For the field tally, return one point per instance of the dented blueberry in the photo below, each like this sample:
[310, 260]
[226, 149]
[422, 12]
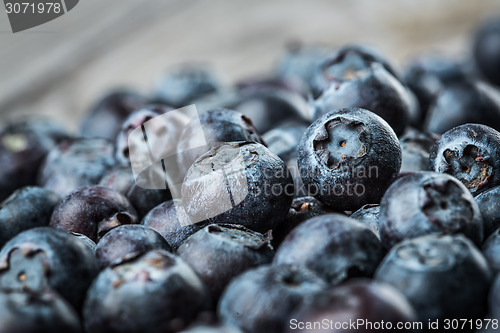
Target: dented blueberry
[93, 211]
[261, 299]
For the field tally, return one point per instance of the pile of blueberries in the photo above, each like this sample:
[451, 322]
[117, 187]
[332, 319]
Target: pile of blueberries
[370, 196]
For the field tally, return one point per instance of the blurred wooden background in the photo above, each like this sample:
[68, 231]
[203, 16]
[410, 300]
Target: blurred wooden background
[60, 68]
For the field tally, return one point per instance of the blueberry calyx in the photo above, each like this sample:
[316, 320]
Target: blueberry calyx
[339, 141]
[472, 168]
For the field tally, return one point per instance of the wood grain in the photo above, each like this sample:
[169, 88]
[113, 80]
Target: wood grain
[60, 68]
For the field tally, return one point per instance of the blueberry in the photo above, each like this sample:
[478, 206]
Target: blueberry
[443, 276]
[261, 300]
[489, 205]
[217, 126]
[29, 312]
[333, 246]
[121, 179]
[89, 242]
[105, 118]
[486, 50]
[302, 209]
[43, 259]
[218, 253]
[23, 146]
[268, 107]
[26, 208]
[170, 220]
[369, 215]
[353, 78]
[470, 153]
[494, 298]
[427, 75]
[75, 163]
[125, 241]
[348, 158]
[212, 329]
[349, 63]
[238, 181]
[452, 107]
[155, 292]
[428, 202]
[356, 300]
[298, 65]
[416, 147]
[134, 120]
[184, 83]
[92, 211]
[491, 250]
[283, 140]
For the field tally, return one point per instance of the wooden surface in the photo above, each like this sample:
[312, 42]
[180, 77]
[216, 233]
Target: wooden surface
[60, 68]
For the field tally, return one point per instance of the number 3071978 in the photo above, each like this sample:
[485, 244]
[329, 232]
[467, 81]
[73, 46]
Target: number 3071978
[33, 8]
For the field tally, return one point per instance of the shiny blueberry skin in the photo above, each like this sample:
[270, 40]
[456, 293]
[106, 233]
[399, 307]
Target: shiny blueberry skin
[157, 291]
[348, 63]
[428, 202]
[357, 299]
[416, 147]
[182, 84]
[125, 241]
[170, 220]
[283, 140]
[333, 246]
[217, 126]
[494, 298]
[368, 215]
[353, 78]
[27, 208]
[218, 253]
[92, 211]
[239, 181]
[470, 153]
[75, 163]
[45, 258]
[491, 250]
[348, 158]
[105, 118]
[443, 276]
[121, 179]
[261, 300]
[452, 107]
[298, 65]
[302, 209]
[23, 146]
[29, 312]
[489, 205]
[427, 75]
[486, 50]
